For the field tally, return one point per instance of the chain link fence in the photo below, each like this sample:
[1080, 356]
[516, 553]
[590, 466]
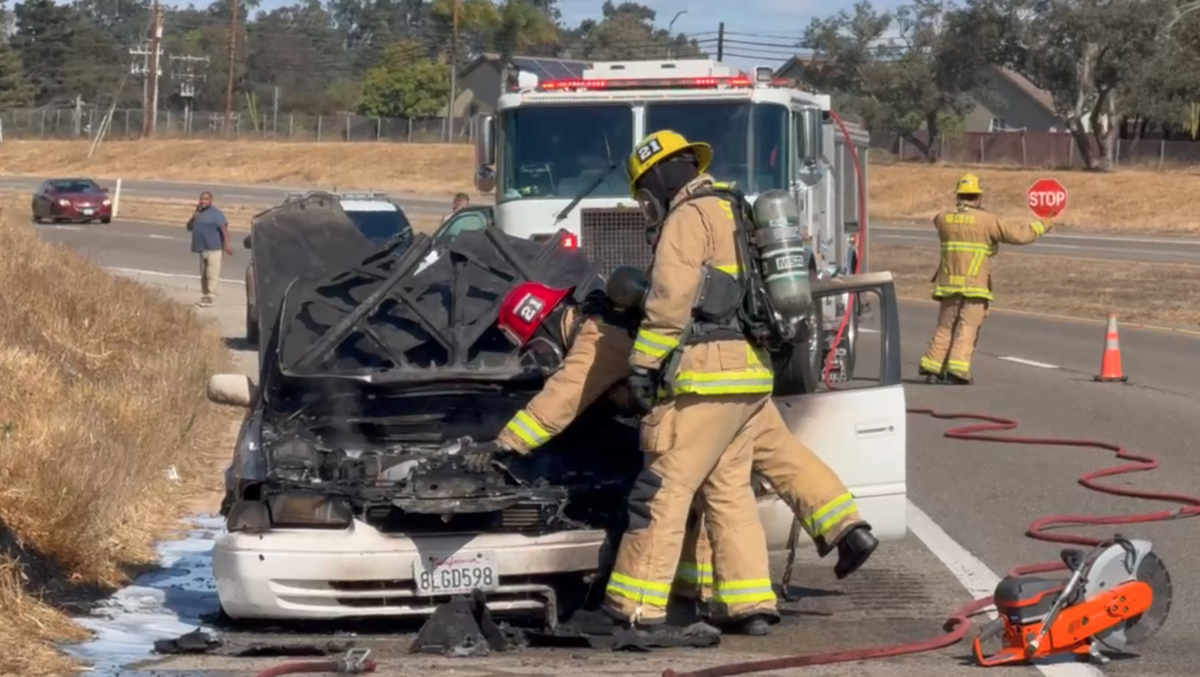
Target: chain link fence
[129, 124]
[1051, 150]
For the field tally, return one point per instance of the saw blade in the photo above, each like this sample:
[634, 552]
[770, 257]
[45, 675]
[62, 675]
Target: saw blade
[1153, 573]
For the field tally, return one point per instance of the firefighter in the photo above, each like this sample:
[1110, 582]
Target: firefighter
[706, 390]
[969, 237]
[596, 337]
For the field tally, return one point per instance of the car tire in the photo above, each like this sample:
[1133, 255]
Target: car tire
[251, 329]
[106, 220]
[798, 365]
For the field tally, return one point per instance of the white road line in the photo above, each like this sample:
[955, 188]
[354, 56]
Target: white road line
[155, 273]
[867, 330]
[1021, 360]
[978, 579]
[152, 236]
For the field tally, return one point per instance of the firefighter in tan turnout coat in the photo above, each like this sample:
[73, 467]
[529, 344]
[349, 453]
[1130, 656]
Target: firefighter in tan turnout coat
[707, 391]
[969, 237]
[596, 340]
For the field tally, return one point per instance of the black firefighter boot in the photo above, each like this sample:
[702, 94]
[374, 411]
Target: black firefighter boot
[854, 549]
[956, 380]
[753, 625]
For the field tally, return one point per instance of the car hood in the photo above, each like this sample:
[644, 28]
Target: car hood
[423, 313]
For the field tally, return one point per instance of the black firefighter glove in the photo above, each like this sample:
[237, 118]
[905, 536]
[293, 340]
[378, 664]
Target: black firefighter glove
[479, 457]
[643, 383]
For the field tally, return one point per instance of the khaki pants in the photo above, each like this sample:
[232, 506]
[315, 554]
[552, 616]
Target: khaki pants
[953, 342]
[694, 443]
[825, 507]
[210, 271]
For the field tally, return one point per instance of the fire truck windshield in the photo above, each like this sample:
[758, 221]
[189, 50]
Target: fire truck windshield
[749, 140]
[555, 151]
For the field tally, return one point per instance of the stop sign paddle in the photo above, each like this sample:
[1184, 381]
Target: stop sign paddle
[1047, 198]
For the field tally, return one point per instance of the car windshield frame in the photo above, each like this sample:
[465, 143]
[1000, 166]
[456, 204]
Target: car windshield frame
[555, 151]
[72, 185]
[749, 138]
[375, 224]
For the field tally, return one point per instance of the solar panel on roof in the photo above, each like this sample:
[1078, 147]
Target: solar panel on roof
[556, 69]
[550, 69]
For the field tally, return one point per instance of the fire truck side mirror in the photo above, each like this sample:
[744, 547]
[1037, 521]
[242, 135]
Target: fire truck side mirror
[813, 144]
[485, 139]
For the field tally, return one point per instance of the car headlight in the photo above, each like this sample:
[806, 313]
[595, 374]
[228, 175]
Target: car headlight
[64, 202]
[106, 203]
[309, 511]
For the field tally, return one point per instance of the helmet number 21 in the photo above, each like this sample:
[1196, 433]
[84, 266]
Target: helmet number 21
[530, 308]
[648, 150]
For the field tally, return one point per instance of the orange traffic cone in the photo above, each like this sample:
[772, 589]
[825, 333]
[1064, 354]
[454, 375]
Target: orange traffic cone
[1110, 363]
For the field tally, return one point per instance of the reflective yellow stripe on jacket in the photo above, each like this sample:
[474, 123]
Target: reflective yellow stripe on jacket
[957, 284]
[529, 430]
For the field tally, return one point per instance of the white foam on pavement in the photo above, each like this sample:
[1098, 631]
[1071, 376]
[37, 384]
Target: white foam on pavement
[161, 604]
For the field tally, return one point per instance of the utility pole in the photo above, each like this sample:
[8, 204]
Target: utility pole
[275, 111]
[139, 66]
[187, 71]
[721, 41]
[453, 73]
[154, 70]
[232, 61]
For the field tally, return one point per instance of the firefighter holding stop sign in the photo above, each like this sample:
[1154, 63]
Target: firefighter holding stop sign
[970, 236]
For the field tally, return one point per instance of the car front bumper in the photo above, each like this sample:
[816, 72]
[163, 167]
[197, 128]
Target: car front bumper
[80, 212]
[299, 574]
[362, 572]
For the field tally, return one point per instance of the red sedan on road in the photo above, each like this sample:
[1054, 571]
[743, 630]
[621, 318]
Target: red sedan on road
[72, 200]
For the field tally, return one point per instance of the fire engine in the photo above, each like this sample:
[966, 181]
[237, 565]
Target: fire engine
[554, 153]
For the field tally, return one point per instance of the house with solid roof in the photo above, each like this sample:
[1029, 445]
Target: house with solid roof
[1019, 104]
[481, 81]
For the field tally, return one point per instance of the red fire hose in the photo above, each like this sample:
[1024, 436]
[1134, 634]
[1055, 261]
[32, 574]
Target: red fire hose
[959, 622]
[352, 663]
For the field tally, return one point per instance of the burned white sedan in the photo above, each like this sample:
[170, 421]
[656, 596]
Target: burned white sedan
[347, 496]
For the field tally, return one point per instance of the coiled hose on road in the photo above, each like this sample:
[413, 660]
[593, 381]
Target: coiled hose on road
[984, 430]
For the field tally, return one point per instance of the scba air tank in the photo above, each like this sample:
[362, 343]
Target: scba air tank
[781, 248]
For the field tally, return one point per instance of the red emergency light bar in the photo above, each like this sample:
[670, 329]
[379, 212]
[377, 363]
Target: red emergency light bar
[658, 83]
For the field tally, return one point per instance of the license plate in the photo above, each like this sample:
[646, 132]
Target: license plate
[87, 212]
[456, 574]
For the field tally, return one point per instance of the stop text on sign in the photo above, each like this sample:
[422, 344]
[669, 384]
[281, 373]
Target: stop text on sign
[1047, 197]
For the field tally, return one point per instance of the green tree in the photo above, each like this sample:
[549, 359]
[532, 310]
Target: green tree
[1088, 55]
[919, 67]
[627, 31]
[405, 85]
[15, 90]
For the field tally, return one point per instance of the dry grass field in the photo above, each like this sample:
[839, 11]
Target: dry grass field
[1122, 200]
[104, 392]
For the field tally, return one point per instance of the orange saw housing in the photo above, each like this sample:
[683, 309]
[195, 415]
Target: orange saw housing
[1024, 601]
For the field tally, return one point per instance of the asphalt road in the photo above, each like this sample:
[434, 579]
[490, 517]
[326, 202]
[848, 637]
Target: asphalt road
[971, 501]
[1115, 246]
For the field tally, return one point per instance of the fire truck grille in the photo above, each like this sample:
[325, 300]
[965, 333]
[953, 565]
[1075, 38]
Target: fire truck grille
[614, 237]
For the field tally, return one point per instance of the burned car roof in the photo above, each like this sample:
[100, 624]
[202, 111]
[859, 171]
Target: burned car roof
[420, 310]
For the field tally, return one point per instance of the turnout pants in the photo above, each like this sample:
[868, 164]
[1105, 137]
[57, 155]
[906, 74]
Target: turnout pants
[954, 340]
[694, 443]
[822, 503]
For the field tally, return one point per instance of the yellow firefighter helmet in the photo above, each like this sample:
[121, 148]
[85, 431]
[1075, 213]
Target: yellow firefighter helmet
[659, 146]
[968, 184]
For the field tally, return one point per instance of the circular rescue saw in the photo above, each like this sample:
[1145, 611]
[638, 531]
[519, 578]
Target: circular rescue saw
[1118, 594]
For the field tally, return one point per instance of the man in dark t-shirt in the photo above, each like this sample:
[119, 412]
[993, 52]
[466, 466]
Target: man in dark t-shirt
[210, 237]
